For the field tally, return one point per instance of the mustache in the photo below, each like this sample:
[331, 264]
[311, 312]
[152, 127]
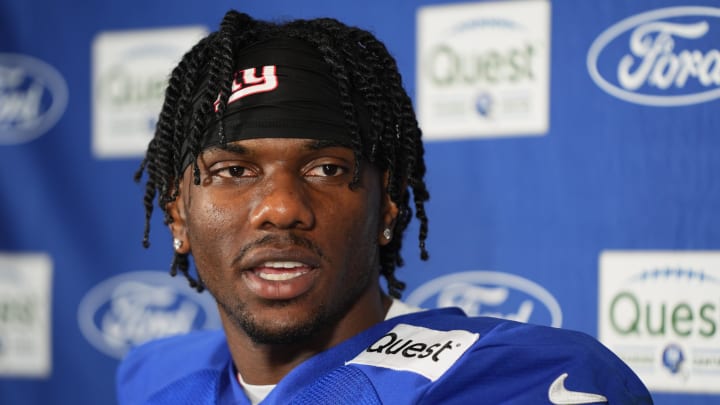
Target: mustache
[283, 241]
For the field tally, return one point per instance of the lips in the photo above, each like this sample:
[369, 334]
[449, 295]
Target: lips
[280, 275]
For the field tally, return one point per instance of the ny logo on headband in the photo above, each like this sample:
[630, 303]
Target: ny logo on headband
[246, 82]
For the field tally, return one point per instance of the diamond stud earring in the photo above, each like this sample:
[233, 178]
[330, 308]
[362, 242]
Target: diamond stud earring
[387, 234]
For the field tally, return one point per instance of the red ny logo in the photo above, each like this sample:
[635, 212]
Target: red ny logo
[246, 82]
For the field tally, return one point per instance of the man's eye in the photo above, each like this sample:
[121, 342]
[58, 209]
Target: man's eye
[233, 171]
[328, 170]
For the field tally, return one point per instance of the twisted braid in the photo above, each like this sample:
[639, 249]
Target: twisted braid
[367, 77]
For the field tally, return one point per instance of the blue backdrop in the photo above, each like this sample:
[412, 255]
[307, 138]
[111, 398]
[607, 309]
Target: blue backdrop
[559, 222]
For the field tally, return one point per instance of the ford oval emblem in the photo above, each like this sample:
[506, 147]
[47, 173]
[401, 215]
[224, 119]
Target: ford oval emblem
[489, 293]
[33, 97]
[132, 308]
[664, 57]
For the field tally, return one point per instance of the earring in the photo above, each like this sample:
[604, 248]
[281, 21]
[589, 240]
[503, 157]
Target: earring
[177, 243]
[387, 234]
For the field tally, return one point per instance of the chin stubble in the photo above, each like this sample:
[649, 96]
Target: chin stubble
[324, 318]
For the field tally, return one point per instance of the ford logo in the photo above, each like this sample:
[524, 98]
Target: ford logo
[33, 97]
[488, 293]
[132, 308]
[656, 58]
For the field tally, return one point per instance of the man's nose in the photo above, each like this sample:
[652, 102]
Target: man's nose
[283, 203]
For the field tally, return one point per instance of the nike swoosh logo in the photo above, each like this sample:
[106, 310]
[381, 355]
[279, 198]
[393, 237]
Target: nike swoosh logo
[559, 395]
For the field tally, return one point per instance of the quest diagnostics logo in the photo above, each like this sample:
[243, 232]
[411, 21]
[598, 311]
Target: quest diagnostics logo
[132, 308]
[664, 57]
[130, 71]
[469, 86]
[33, 97]
[488, 293]
[424, 351]
[659, 311]
[25, 315]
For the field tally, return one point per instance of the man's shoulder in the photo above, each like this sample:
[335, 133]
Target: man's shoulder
[490, 328]
[198, 348]
[512, 358]
[505, 337]
[159, 363]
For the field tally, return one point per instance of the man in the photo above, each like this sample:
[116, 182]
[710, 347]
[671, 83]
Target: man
[284, 160]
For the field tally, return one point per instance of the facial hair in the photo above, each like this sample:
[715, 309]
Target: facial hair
[325, 317]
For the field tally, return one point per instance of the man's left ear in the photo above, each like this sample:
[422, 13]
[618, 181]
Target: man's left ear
[389, 213]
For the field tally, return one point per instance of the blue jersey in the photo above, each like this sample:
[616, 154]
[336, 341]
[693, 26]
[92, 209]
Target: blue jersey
[430, 357]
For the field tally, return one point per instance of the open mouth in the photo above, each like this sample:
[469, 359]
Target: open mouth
[281, 279]
[281, 271]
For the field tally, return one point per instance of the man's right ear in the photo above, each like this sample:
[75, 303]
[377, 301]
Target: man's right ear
[178, 226]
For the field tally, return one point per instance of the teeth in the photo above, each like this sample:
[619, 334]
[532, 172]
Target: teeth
[283, 265]
[280, 276]
[300, 269]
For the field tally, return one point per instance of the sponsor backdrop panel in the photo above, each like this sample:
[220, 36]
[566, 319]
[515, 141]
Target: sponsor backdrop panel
[571, 148]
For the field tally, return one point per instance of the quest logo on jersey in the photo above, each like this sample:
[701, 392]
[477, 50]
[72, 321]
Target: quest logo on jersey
[129, 75]
[664, 57]
[427, 352]
[33, 97]
[132, 308]
[489, 293]
[660, 312]
[470, 87]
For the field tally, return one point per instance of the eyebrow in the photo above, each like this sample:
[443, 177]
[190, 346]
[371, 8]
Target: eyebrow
[233, 147]
[327, 143]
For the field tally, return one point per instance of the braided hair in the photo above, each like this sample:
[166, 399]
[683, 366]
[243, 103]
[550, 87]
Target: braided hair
[362, 68]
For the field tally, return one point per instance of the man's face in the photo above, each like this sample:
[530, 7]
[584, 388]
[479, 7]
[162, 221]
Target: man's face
[278, 237]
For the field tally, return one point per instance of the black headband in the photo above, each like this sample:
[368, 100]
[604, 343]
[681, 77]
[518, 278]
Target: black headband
[283, 88]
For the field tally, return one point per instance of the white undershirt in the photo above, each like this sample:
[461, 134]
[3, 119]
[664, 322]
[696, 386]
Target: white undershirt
[257, 393]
